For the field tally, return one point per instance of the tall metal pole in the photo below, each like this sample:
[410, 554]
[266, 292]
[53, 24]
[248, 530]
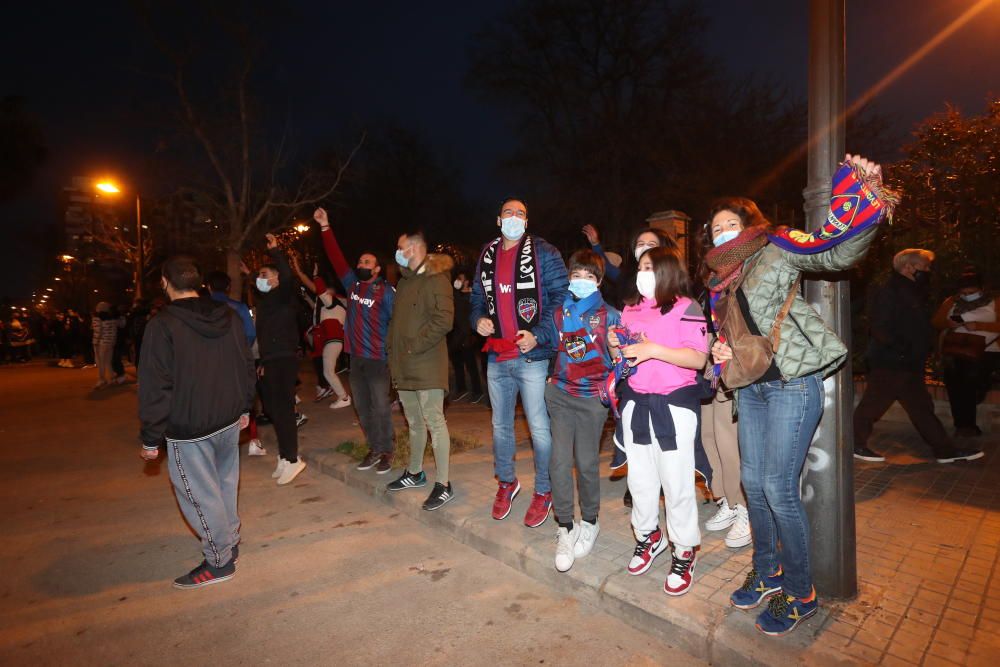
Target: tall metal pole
[828, 478]
[138, 239]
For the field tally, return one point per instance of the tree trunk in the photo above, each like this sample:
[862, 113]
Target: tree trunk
[235, 276]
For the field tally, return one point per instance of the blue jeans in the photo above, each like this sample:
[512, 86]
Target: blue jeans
[505, 379]
[776, 425]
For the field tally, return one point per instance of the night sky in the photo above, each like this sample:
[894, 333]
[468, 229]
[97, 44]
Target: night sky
[336, 65]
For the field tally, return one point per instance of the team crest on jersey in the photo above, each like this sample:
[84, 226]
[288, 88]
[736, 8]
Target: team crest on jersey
[527, 309]
[576, 348]
[595, 321]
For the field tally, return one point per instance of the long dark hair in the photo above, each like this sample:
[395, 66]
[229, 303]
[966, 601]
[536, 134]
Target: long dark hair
[672, 280]
[627, 292]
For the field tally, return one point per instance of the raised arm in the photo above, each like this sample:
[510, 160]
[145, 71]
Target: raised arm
[611, 272]
[333, 251]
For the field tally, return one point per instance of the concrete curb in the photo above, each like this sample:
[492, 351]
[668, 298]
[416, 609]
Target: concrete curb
[707, 629]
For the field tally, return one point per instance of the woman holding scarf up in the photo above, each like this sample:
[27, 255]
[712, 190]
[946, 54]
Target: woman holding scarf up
[760, 268]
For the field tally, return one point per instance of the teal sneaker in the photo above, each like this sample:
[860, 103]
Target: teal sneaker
[784, 612]
[756, 589]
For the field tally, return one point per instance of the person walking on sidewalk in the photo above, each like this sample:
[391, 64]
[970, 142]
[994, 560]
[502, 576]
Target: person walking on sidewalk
[520, 282]
[972, 311]
[196, 386]
[901, 339]
[573, 398]
[104, 327]
[278, 342]
[418, 360]
[370, 301]
[756, 276]
[660, 409]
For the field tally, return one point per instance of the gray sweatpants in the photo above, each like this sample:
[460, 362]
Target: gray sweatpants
[577, 424]
[206, 476]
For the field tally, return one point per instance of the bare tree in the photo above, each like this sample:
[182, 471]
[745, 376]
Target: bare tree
[248, 182]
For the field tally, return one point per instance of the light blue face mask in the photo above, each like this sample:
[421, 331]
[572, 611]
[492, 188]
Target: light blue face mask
[401, 258]
[581, 288]
[263, 285]
[513, 227]
[726, 237]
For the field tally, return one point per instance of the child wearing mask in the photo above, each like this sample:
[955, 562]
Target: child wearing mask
[660, 407]
[576, 413]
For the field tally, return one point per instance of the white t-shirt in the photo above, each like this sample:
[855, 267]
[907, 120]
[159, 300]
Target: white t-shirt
[987, 313]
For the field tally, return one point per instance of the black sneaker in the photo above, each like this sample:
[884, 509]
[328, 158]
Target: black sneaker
[371, 458]
[407, 481]
[866, 454]
[439, 496]
[300, 419]
[206, 575]
[627, 498]
[236, 555]
[961, 455]
[384, 464]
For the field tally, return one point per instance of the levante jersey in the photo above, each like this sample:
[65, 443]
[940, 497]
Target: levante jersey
[369, 306]
[583, 361]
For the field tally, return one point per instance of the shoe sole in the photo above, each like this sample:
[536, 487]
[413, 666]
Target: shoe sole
[364, 467]
[870, 459]
[656, 552]
[261, 453]
[383, 472]
[971, 457]
[217, 580]
[292, 478]
[544, 519]
[440, 505]
[794, 625]
[677, 594]
[510, 505]
[738, 544]
[334, 406]
[720, 527]
[764, 596]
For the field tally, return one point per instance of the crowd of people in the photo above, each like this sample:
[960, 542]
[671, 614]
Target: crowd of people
[720, 374]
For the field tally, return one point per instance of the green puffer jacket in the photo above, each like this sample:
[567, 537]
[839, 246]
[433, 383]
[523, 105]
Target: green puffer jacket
[422, 316]
[807, 345]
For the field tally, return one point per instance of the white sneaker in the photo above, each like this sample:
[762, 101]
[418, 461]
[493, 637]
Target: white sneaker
[739, 535]
[565, 546]
[291, 471]
[341, 402]
[256, 449]
[588, 535]
[722, 519]
[279, 469]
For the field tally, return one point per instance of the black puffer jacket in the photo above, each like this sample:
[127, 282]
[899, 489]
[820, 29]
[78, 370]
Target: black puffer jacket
[900, 321]
[196, 372]
[277, 314]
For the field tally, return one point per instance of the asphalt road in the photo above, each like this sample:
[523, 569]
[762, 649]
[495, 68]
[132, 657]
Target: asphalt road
[92, 538]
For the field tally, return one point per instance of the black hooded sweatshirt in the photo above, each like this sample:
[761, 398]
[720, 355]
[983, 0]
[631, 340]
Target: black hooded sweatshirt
[277, 314]
[196, 372]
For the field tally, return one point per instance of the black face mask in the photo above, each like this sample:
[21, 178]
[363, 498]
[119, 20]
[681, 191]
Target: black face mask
[922, 279]
[363, 274]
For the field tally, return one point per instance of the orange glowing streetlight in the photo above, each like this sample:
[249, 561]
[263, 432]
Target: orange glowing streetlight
[110, 188]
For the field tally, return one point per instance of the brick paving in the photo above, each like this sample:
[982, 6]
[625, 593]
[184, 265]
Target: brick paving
[927, 538]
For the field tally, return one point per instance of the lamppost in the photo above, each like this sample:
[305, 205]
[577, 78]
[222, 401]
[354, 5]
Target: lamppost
[110, 188]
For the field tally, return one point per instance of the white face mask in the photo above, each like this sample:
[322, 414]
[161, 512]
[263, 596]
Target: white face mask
[457, 284]
[263, 285]
[645, 282]
[972, 297]
[513, 227]
[639, 249]
[725, 237]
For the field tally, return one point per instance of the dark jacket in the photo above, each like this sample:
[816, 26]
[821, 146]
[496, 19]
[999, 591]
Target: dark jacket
[196, 372]
[277, 314]
[462, 335]
[555, 284]
[899, 318]
[421, 319]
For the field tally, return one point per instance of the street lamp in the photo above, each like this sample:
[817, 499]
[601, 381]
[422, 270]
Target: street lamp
[112, 189]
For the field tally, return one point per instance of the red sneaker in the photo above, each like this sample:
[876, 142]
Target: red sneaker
[538, 510]
[645, 551]
[681, 573]
[505, 496]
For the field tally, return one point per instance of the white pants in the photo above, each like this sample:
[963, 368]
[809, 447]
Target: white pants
[330, 353]
[650, 468]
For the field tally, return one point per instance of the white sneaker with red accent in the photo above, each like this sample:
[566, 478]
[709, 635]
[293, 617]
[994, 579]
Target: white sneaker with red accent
[256, 448]
[645, 551]
[681, 574]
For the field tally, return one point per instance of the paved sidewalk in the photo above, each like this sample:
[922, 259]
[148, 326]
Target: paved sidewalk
[928, 537]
